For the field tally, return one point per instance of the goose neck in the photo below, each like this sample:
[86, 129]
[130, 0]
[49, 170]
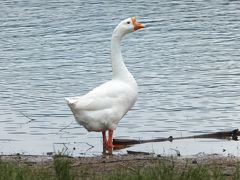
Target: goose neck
[118, 67]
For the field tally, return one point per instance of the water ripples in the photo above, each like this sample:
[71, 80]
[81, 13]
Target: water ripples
[186, 63]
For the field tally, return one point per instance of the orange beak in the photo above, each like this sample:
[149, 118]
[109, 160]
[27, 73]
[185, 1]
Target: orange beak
[136, 24]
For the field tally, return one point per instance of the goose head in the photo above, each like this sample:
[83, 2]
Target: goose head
[126, 26]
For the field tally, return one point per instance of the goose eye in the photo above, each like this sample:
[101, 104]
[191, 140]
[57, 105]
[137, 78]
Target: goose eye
[128, 22]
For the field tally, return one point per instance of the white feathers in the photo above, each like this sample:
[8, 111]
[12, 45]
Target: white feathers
[102, 108]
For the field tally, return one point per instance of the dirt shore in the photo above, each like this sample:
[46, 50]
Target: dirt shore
[100, 165]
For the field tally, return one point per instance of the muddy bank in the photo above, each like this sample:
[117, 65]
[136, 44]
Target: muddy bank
[104, 165]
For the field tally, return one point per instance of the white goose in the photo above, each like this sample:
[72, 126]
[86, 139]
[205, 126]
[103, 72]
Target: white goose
[102, 108]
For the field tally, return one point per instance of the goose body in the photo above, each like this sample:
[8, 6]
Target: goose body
[102, 108]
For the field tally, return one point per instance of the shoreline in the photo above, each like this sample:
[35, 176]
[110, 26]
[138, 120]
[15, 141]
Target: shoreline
[103, 165]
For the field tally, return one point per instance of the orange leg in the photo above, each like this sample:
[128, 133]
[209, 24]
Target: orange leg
[110, 139]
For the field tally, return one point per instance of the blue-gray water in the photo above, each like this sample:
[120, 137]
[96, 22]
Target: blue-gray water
[186, 62]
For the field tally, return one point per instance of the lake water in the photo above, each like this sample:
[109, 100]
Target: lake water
[186, 63]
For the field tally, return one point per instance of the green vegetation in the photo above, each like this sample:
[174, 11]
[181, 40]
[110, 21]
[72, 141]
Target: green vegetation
[14, 171]
[62, 168]
[161, 171]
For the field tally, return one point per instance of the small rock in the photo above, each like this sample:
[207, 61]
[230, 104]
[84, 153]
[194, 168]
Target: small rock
[227, 173]
[194, 161]
[49, 153]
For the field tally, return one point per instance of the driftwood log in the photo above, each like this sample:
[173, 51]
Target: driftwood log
[232, 135]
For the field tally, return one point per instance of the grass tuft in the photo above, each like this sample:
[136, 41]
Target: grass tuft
[62, 168]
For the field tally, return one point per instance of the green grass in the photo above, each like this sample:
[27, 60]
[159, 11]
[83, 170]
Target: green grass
[63, 169]
[162, 171]
[14, 171]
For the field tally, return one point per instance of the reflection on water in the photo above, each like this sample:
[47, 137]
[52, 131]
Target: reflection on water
[186, 63]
